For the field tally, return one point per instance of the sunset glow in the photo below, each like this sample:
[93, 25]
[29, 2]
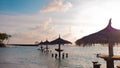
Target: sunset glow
[29, 21]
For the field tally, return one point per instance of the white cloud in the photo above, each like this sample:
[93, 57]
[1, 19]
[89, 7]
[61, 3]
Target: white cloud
[56, 5]
[84, 18]
[24, 37]
[30, 28]
[36, 33]
[43, 25]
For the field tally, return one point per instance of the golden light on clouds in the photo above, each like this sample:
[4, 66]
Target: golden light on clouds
[72, 19]
[56, 5]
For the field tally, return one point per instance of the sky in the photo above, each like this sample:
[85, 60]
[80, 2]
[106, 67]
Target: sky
[29, 21]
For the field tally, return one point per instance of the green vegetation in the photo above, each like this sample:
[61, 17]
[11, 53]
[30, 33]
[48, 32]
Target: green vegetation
[3, 37]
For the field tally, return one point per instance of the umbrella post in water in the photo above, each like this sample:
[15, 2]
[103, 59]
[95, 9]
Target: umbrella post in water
[46, 43]
[41, 47]
[60, 41]
[59, 50]
[108, 35]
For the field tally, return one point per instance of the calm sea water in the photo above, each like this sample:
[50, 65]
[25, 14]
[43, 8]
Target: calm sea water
[30, 57]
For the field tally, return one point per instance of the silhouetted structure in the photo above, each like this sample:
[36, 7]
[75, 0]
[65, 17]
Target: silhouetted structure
[108, 35]
[41, 45]
[59, 41]
[2, 44]
[96, 65]
[46, 43]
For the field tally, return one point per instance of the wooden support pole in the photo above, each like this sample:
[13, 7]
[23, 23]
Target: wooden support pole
[59, 51]
[52, 55]
[110, 50]
[109, 60]
[110, 63]
[55, 56]
[96, 65]
[63, 55]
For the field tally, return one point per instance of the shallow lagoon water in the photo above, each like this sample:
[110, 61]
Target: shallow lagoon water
[30, 57]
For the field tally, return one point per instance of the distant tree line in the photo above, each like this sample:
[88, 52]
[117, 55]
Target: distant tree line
[3, 37]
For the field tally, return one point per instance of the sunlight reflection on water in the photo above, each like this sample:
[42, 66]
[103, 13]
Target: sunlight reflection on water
[30, 57]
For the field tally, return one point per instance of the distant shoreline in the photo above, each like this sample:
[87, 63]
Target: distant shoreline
[23, 44]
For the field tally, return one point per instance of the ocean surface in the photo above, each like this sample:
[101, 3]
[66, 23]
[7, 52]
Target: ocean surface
[31, 57]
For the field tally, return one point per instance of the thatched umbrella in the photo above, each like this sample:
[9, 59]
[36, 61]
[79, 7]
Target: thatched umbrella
[41, 43]
[108, 35]
[46, 43]
[60, 41]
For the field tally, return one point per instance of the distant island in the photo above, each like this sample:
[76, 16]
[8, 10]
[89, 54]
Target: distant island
[24, 44]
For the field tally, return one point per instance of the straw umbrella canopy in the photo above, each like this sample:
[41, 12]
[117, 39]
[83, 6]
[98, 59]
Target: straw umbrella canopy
[41, 43]
[108, 35]
[60, 41]
[46, 43]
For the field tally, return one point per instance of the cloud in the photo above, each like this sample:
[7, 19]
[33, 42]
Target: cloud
[40, 32]
[56, 6]
[43, 25]
[30, 28]
[24, 37]
[26, 28]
